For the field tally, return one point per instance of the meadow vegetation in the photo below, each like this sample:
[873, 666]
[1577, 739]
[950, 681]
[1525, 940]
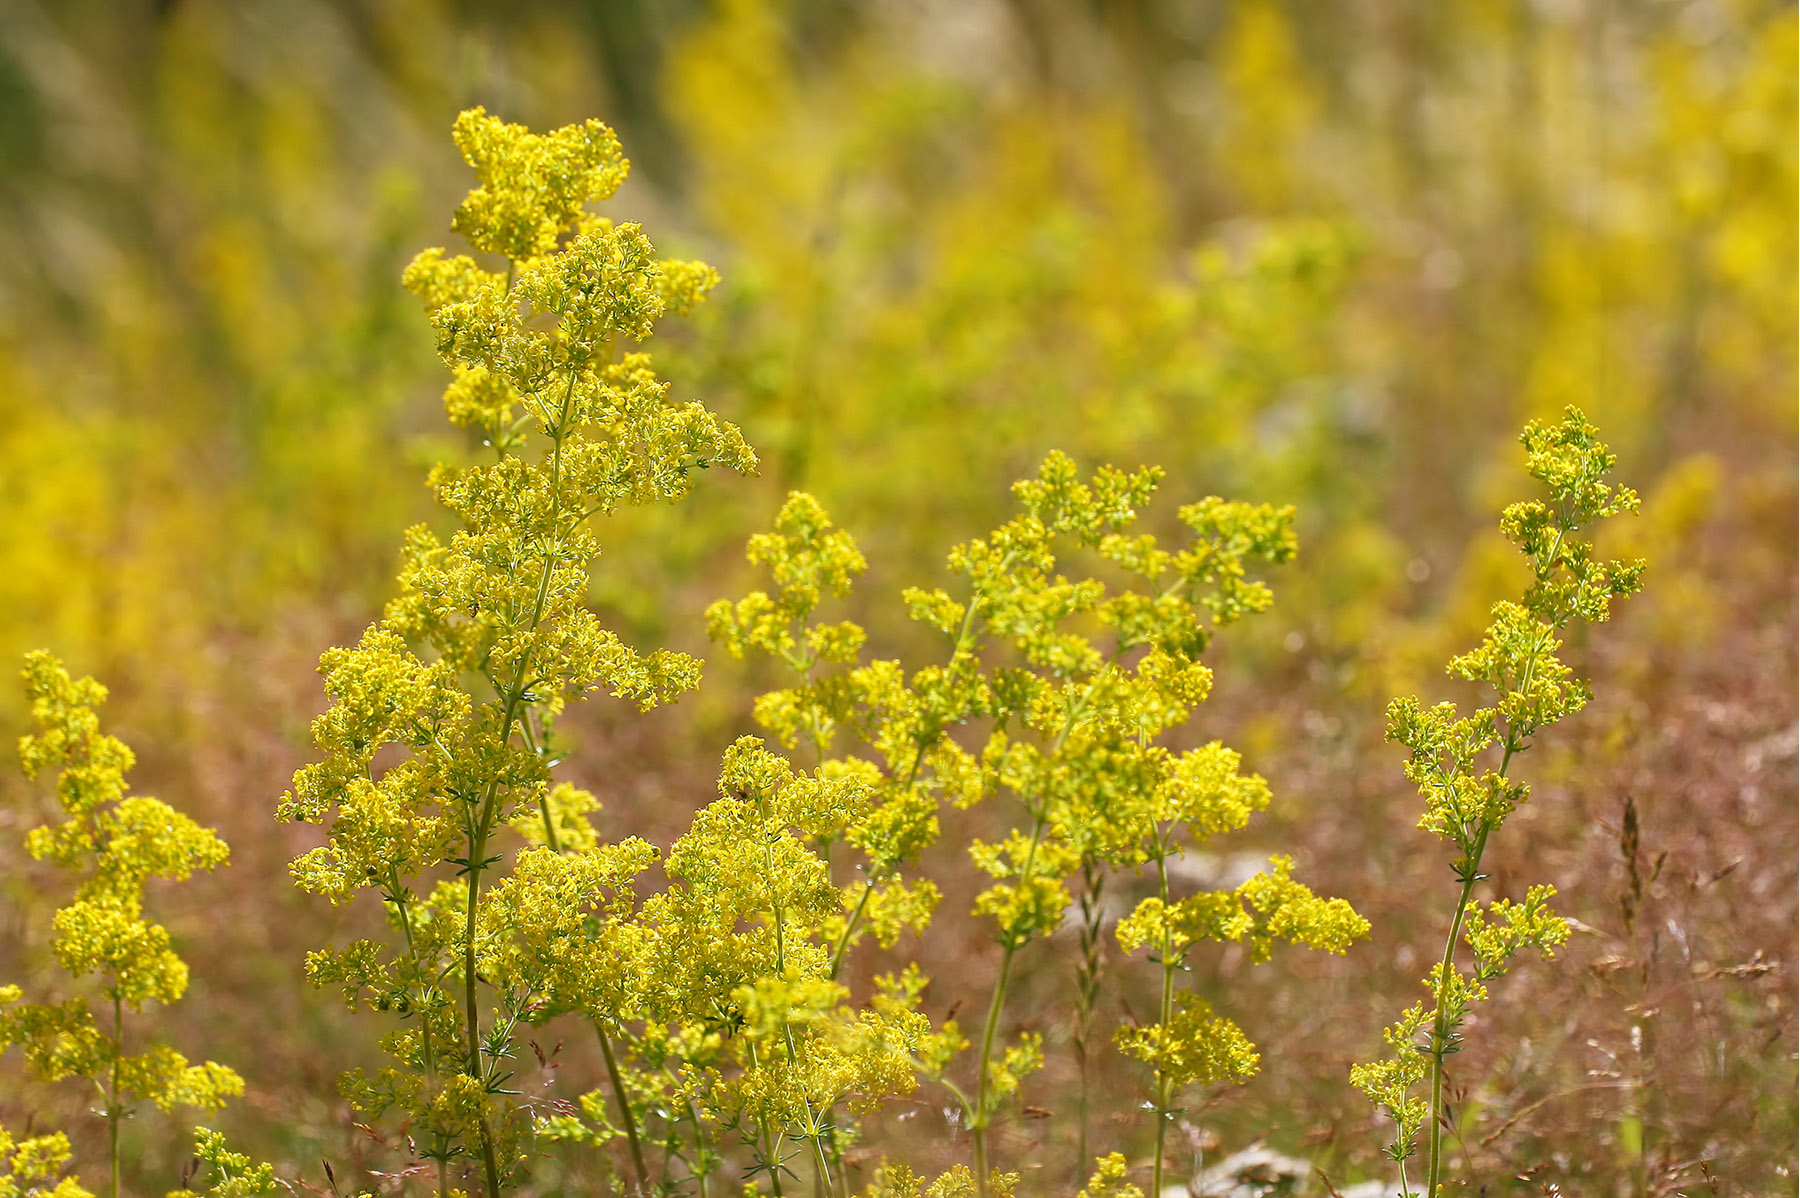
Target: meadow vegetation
[945, 880]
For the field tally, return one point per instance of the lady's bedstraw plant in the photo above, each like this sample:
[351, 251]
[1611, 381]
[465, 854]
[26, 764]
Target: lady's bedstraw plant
[490, 636]
[115, 842]
[1468, 794]
[1072, 729]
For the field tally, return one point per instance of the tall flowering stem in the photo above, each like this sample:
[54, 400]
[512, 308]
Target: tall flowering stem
[1461, 765]
[490, 636]
[115, 842]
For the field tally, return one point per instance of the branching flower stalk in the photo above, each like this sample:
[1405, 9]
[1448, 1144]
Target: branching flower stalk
[1466, 805]
[115, 842]
[545, 372]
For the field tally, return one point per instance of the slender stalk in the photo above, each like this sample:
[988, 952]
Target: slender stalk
[1440, 1029]
[482, 821]
[843, 944]
[399, 901]
[700, 1170]
[979, 1117]
[912, 774]
[625, 1111]
[549, 824]
[112, 1092]
[812, 1121]
[821, 1179]
[771, 1141]
[477, 851]
[1087, 989]
[1164, 1090]
[862, 902]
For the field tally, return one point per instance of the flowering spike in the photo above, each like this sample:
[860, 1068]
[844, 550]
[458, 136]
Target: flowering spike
[1468, 796]
[490, 637]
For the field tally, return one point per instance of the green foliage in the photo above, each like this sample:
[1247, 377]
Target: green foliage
[1466, 799]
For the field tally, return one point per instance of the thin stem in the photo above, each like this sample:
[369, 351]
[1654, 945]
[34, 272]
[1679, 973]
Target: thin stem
[1164, 1088]
[477, 847]
[112, 1092]
[812, 1122]
[981, 1115]
[1471, 871]
[843, 944]
[549, 824]
[1087, 989]
[425, 996]
[821, 1179]
[862, 902]
[771, 1141]
[978, 1120]
[482, 821]
[700, 1169]
[625, 1111]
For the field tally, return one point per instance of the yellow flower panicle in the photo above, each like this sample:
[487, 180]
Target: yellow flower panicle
[1461, 763]
[490, 637]
[116, 842]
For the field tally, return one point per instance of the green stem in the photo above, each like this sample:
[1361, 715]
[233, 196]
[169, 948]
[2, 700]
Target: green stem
[771, 1140]
[425, 996]
[862, 902]
[477, 851]
[549, 824]
[821, 1179]
[843, 944]
[812, 1121]
[982, 1115]
[1440, 1025]
[112, 1092]
[979, 1117]
[1164, 1088]
[482, 821]
[700, 1169]
[625, 1111]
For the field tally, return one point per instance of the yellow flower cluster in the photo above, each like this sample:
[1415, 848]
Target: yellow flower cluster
[29, 1168]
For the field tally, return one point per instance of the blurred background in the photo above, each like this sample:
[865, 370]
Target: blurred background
[1331, 254]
